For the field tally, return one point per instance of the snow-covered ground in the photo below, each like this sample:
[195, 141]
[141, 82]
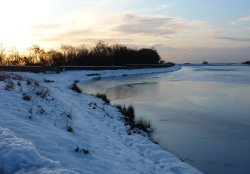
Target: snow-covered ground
[45, 127]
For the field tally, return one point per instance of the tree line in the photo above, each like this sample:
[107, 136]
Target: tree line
[102, 54]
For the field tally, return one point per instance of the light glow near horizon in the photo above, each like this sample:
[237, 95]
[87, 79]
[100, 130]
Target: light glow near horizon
[182, 31]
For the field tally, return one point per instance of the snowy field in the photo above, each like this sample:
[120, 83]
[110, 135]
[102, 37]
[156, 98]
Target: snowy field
[45, 127]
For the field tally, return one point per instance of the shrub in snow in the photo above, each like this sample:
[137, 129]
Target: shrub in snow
[144, 125]
[97, 78]
[93, 74]
[9, 85]
[130, 114]
[103, 97]
[75, 88]
[30, 113]
[48, 81]
[85, 151]
[19, 84]
[93, 105]
[42, 92]
[69, 129]
[26, 97]
[140, 124]
[28, 82]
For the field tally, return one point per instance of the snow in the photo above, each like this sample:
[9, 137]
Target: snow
[21, 156]
[34, 136]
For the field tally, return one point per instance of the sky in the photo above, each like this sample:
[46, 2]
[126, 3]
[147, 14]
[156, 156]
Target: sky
[181, 30]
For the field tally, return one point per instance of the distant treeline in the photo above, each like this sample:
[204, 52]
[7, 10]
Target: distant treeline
[246, 62]
[102, 54]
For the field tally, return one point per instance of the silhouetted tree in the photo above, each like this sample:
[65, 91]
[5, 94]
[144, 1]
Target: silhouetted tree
[69, 53]
[2, 54]
[121, 54]
[162, 62]
[101, 49]
[82, 54]
[56, 57]
[37, 55]
[99, 55]
[148, 56]
[14, 57]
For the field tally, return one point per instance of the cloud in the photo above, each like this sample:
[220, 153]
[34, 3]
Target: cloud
[156, 26]
[84, 40]
[244, 19]
[80, 36]
[47, 26]
[164, 27]
[78, 27]
[233, 23]
[240, 20]
[118, 26]
[235, 39]
[164, 6]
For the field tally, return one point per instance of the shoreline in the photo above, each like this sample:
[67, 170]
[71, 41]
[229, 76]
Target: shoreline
[57, 69]
[88, 117]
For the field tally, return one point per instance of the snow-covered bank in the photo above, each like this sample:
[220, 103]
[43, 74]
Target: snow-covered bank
[36, 112]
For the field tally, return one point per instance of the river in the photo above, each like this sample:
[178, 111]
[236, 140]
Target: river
[199, 113]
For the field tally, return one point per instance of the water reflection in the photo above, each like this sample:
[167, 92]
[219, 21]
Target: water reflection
[201, 114]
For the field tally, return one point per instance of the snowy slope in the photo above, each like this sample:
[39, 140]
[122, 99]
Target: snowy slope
[48, 128]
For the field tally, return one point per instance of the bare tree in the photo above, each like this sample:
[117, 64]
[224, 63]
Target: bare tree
[101, 49]
[82, 51]
[2, 54]
[37, 53]
[69, 51]
[14, 57]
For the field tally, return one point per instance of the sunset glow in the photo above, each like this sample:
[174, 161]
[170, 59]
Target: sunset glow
[182, 31]
[18, 17]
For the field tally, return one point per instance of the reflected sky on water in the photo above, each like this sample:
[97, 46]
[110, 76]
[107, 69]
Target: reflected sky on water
[199, 113]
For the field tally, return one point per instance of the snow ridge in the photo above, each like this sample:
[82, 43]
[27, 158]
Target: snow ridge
[21, 156]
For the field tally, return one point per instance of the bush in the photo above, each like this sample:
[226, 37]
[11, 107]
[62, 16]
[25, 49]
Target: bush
[143, 124]
[28, 82]
[9, 85]
[42, 92]
[75, 87]
[69, 129]
[2, 77]
[26, 97]
[154, 140]
[93, 74]
[103, 97]
[78, 149]
[48, 81]
[130, 114]
[120, 108]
